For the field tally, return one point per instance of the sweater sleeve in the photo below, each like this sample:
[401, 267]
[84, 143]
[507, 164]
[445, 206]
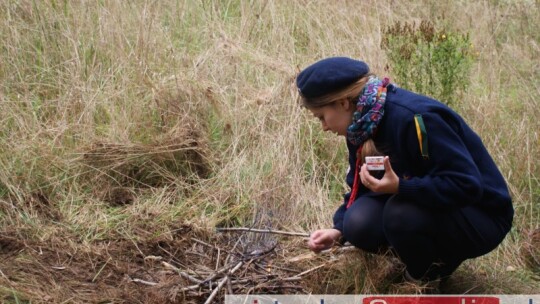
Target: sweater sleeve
[451, 176]
[340, 212]
[338, 217]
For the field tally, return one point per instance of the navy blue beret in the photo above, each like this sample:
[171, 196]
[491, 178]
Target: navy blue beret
[329, 75]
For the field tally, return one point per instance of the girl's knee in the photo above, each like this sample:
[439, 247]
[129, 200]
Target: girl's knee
[354, 229]
[364, 233]
[406, 217]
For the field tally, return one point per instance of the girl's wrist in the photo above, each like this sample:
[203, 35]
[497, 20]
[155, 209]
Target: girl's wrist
[337, 236]
[336, 232]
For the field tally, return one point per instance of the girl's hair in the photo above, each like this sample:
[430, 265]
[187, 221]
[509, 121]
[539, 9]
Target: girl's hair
[369, 149]
[350, 93]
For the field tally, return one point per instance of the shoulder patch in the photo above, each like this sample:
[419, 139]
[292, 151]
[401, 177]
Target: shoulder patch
[421, 133]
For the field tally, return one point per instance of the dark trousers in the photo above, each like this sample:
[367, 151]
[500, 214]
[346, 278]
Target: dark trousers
[431, 243]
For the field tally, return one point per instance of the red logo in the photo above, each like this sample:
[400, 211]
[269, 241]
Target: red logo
[431, 300]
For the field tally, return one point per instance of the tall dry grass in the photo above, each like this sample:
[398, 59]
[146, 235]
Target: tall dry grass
[120, 114]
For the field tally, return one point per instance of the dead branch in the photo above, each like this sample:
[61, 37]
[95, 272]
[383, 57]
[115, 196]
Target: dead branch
[244, 229]
[222, 282]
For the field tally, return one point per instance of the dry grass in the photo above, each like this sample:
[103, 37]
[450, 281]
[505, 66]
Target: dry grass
[121, 120]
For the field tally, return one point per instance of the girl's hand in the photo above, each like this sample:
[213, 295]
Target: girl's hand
[389, 183]
[323, 239]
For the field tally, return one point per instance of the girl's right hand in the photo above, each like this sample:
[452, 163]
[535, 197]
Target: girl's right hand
[323, 239]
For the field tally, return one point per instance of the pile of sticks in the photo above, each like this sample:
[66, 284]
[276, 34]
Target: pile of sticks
[239, 271]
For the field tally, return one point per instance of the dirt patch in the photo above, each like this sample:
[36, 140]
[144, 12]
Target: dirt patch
[101, 272]
[40, 204]
[166, 269]
[9, 245]
[118, 196]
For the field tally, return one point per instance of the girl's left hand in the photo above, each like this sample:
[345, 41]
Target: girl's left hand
[389, 183]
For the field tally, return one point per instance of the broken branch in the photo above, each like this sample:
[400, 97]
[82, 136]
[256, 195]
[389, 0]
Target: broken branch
[244, 229]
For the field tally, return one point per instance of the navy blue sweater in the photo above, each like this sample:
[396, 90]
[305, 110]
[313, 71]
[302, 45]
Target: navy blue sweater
[459, 170]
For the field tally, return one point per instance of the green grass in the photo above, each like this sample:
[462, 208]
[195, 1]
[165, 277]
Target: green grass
[191, 107]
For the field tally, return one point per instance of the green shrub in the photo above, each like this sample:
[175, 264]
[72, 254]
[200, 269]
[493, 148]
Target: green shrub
[429, 61]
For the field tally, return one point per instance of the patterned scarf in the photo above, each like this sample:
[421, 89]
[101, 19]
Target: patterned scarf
[369, 111]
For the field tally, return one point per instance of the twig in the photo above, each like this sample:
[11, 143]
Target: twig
[170, 254]
[262, 252]
[144, 282]
[197, 254]
[291, 279]
[211, 277]
[263, 285]
[310, 270]
[298, 276]
[222, 282]
[263, 231]
[279, 287]
[101, 269]
[261, 270]
[181, 273]
[191, 287]
[153, 258]
[211, 246]
[203, 243]
[217, 259]
[276, 267]
[215, 274]
[4, 275]
[229, 286]
[216, 290]
[197, 286]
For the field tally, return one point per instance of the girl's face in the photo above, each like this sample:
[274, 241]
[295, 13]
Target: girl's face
[335, 117]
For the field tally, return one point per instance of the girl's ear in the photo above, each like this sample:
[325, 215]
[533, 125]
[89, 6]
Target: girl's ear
[346, 104]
